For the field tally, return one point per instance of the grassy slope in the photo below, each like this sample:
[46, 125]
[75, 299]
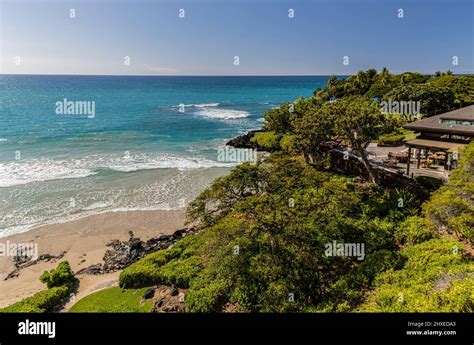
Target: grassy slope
[114, 300]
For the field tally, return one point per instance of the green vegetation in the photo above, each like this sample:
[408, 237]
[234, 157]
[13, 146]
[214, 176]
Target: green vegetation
[40, 302]
[267, 241]
[59, 276]
[442, 92]
[435, 278]
[433, 99]
[462, 87]
[114, 300]
[392, 139]
[451, 208]
[266, 227]
[267, 140]
[60, 284]
[432, 183]
[415, 230]
[175, 265]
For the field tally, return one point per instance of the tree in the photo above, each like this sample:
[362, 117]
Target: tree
[311, 132]
[433, 99]
[268, 253]
[462, 86]
[359, 120]
[278, 119]
[384, 77]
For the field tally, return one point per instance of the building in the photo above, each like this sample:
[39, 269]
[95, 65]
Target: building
[441, 136]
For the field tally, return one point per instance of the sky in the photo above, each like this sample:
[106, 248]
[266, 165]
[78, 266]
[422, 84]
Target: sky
[144, 37]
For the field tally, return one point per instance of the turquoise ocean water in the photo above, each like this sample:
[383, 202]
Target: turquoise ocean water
[152, 143]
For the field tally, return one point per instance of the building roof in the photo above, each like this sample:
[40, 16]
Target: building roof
[434, 124]
[435, 144]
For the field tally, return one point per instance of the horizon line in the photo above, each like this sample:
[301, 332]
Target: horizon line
[175, 75]
[206, 75]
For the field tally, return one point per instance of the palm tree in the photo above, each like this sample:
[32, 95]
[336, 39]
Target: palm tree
[384, 76]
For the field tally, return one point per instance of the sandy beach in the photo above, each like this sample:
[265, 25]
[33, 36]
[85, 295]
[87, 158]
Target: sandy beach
[84, 241]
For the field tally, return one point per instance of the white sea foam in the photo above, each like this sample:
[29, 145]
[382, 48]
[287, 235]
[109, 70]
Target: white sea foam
[161, 161]
[26, 171]
[24, 208]
[225, 114]
[201, 105]
[37, 170]
[3, 139]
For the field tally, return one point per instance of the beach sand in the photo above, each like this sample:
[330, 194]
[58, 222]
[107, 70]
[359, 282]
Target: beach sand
[84, 241]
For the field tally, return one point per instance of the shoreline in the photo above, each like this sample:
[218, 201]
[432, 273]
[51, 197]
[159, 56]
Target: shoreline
[23, 229]
[84, 243]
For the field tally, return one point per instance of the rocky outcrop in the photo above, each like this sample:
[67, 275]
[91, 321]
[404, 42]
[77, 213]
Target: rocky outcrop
[123, 253]
[149, 293]
[169, 299]
[22, 261]
[244, 141]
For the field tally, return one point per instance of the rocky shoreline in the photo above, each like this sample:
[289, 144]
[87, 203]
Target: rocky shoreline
[121, 254]
[244, 141]
[24, 261]
[124, 253]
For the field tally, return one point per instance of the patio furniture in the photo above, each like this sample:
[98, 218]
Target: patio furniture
[398, 156]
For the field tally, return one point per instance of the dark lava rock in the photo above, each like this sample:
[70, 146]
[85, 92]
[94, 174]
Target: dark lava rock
[244, 141]
[159, 302]
[124, 253]
[149, 293]
[174, 290]
[22, 261]
[92, 269]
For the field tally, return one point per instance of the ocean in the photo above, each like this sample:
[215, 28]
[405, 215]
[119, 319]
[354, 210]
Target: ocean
[149, 143]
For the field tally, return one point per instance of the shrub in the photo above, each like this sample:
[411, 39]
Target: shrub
[429, 182]
[415, 230]
[267, 140]
[141, 273]
[393, 139]
[60, 283]
[288, 143]
[61, 275]
[435, 278]
[40, 302]
[175, 265]
[206, 294]
[180, 271]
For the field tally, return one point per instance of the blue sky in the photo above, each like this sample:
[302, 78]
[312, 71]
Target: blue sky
[213, 32]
